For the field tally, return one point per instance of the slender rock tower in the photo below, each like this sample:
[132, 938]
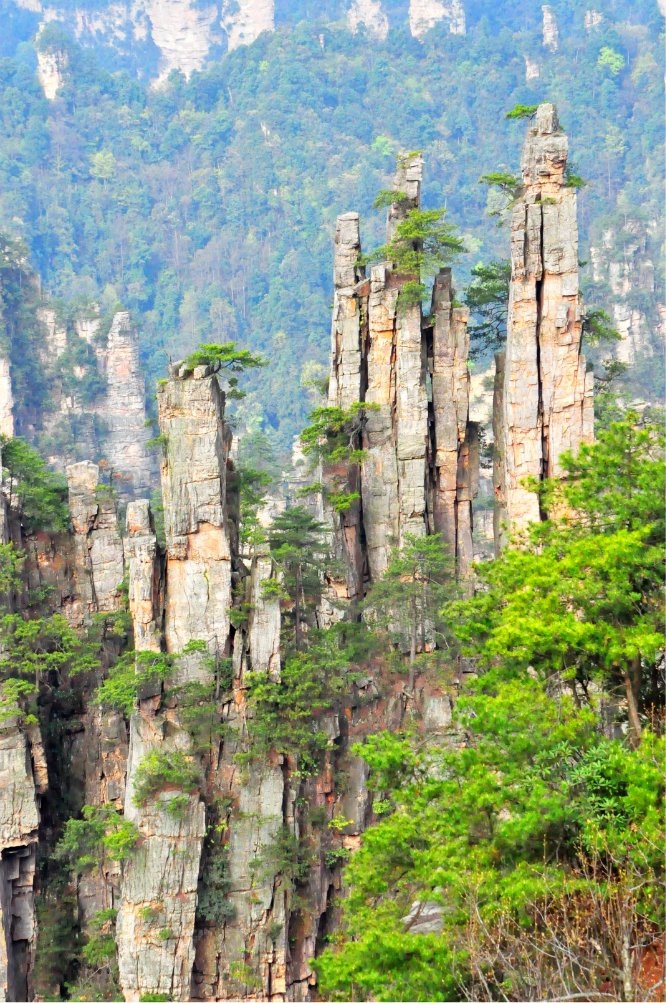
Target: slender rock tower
[419, 473]
[546, 399]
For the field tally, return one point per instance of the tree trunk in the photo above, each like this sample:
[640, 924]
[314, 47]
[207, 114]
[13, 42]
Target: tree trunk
[412, 651]
[632, 686]
[297, 608]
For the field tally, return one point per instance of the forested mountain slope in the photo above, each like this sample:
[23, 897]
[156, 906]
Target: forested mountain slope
[207, 206]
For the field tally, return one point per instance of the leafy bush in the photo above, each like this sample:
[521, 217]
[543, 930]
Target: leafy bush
[161, 769]
[102, 833]
[36, 492]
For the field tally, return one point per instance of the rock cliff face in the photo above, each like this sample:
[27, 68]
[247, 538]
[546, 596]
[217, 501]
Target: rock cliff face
[124, 409]
[370, 14]
[425, 14]
[421, 451]
[181, 31]
[551, 35]
[546, 397]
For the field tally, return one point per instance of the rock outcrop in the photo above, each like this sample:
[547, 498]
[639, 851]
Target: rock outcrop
[6, 399]
[368, 13]
[156, 919]
[124, 408]
[425, 14]
[98, 547]
[418, 475]
[19, 821]
[50, 65]
[247, 22]
[551, 34]
[146, 579]
[546, 398]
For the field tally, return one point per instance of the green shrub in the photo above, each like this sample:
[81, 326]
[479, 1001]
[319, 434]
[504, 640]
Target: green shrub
[101, 833]
[161, 769]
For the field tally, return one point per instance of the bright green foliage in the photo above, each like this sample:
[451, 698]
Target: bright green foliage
[39, 495]
[531, 817]
[408, 597]
[611, 60]
[387, 197]
[421, 244]
[532, 788]
[335, 433]
[284, 714]
[161, 769]
[200, 712]
[31, 649]
[296, 542]
[522, 111]
[488, 299]
[133, 672]
[102, 834]
[225, 357]
[507, 183]
[101, 947]
[283, 711]
[228, 359]
[582, 594]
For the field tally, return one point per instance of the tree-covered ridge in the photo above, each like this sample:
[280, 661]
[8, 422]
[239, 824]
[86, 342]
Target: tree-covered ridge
[207, 207]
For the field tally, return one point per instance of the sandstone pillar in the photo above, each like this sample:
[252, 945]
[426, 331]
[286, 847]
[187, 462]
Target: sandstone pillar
[145, 579]
[155, 924]
[98, 548]
[456, 438]
[19, 821]
[346, 387]
[124, 407]
[547, 397]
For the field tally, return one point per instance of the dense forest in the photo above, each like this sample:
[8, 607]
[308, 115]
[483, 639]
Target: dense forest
[207, 206]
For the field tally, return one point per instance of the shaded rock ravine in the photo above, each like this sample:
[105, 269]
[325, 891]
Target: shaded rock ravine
[204, 911]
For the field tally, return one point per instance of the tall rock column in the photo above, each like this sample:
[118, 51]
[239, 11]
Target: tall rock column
[124, 407]
[98, 548]
[346, 387]
[155, 924]
[547, 398]
[145, 579]
[19, 821]
[456, 438]
[393, 472]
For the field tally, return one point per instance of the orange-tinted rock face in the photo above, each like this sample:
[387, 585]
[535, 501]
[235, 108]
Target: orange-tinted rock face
[546, 401]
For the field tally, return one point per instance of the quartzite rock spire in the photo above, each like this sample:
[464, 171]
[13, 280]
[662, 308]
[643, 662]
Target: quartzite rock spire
[546, 398]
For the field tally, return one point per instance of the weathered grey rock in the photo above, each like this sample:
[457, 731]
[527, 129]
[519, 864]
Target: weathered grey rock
[547, 397]
[124, 407]
[424, 15]
[155, 923]
[423, 918]
[198, 591]
[344, 386]
[500, 516]
[19, 821]
[368, 13]
[264, 623]
[348, 331]
[146, 599]
[98, 547]
[456, 438]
